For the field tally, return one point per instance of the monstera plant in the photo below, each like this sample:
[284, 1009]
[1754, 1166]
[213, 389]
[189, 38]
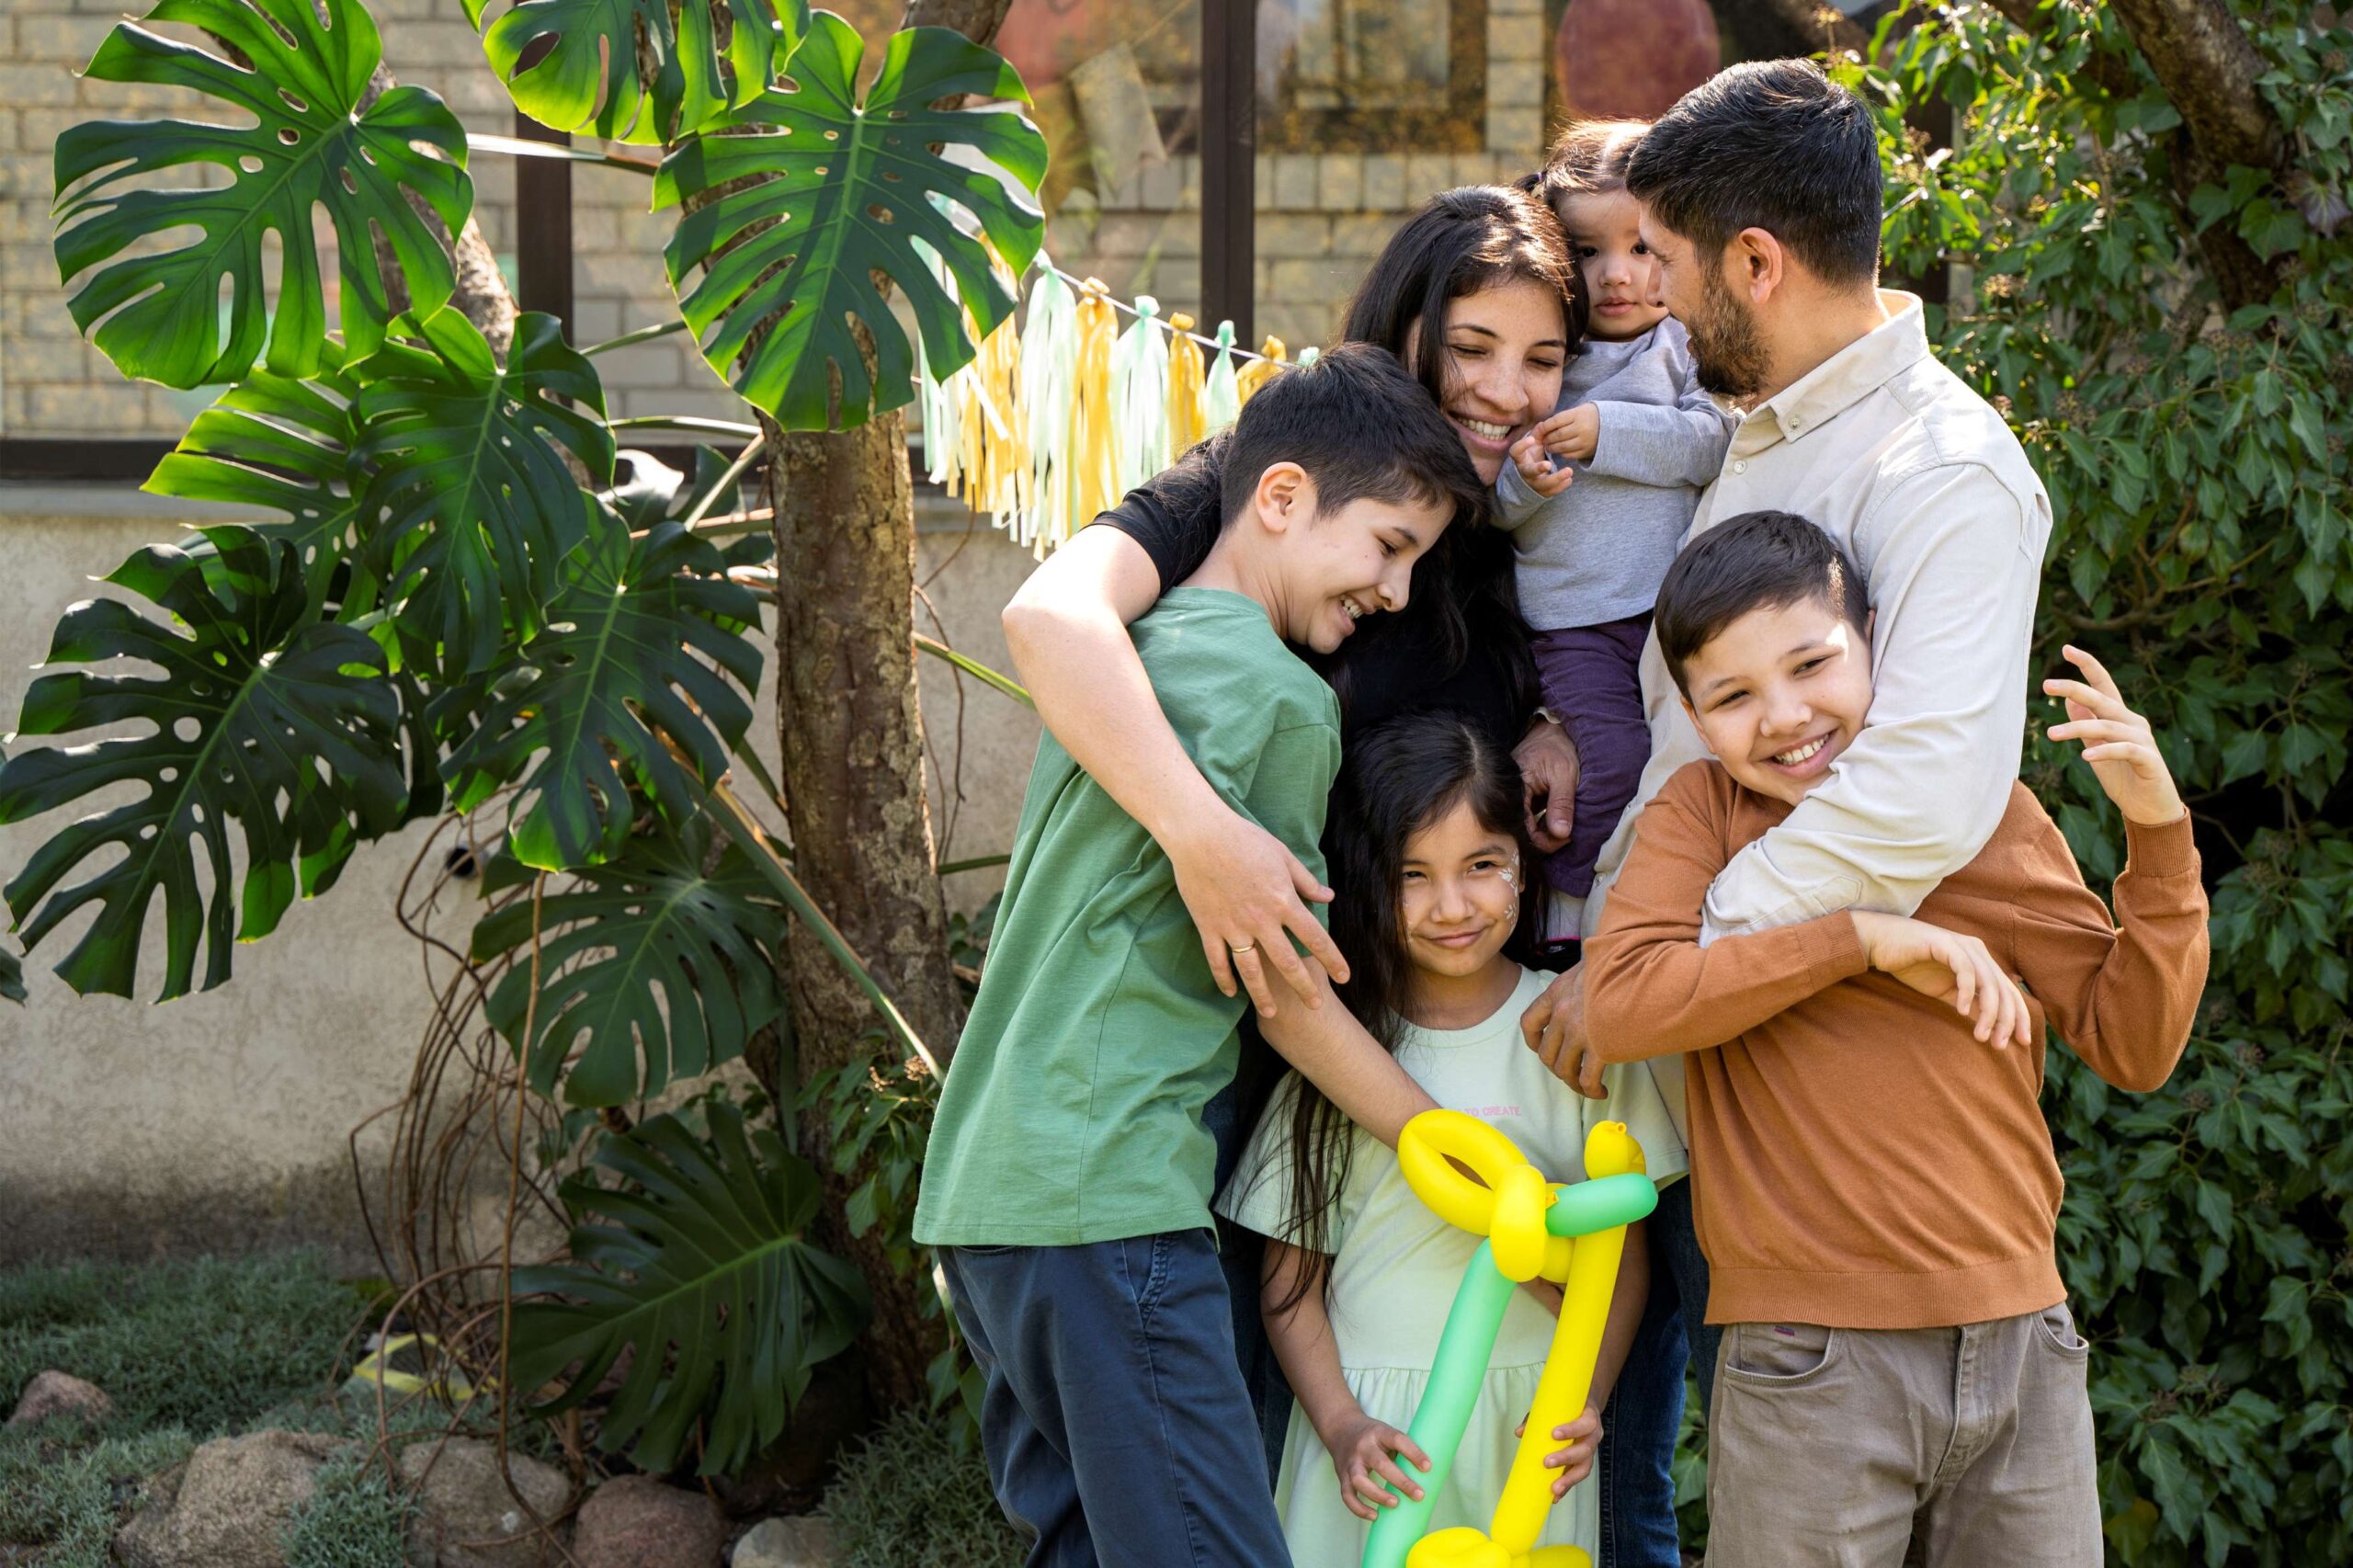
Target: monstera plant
[442, 601]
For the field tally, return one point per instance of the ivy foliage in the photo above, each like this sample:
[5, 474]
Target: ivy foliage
[2196, 461]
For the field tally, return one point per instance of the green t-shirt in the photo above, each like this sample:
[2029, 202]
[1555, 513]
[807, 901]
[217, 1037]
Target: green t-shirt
[1072, 1113]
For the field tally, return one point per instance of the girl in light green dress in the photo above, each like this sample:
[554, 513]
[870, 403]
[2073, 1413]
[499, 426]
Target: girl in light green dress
[1427, 855]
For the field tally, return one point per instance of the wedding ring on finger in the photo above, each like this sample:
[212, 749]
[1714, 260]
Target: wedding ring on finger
[1238, 948]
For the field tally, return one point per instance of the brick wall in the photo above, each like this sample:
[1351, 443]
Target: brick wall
[1322, 217]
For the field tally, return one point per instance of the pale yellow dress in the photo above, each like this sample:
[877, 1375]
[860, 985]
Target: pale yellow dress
[1397, 1268]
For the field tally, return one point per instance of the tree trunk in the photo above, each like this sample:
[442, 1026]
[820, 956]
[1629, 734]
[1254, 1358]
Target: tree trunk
[853, 778]
[854, 788]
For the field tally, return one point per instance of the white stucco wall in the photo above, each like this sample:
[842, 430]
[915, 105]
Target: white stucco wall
[221, 1121]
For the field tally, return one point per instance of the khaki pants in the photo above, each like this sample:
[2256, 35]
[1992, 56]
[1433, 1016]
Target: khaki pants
[1947, 1448]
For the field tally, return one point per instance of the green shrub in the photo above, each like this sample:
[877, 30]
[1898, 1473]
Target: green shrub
[354, 1519]
[63, 1488]
[908, 1497]
[207, 1344]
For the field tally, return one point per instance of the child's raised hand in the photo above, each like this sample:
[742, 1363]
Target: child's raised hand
[2119, 743]
[1574, 433]
[1365, 1455]
[1948, 966]
[1535, 470]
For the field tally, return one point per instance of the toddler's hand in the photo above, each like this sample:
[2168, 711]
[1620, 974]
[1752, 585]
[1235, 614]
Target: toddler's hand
[1948, 966]
[1535, 470]
[1574, 1462]
[1574, 433]
[2120, 747]
[1365, 1455]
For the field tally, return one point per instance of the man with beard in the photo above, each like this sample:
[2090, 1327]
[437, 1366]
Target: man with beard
[1761, 195]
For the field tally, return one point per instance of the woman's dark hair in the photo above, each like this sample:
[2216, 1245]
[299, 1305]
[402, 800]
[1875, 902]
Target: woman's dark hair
[1462, 241]
[1395, 781]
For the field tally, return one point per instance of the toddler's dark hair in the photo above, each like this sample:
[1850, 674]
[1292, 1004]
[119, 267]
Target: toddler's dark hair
[1588, 158]
[1359, 426]
[1395, 780]
[1770, 144]
[1756, 561]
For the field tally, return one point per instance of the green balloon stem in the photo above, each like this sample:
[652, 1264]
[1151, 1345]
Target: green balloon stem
[1467, 1344]
[1464, 1349]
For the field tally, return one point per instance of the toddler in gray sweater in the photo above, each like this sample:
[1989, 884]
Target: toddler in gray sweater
[1598, 496]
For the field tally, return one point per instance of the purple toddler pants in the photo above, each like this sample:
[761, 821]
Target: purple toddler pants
[1591, 678]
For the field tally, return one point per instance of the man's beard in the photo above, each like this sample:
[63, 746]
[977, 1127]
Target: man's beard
[1727, 349]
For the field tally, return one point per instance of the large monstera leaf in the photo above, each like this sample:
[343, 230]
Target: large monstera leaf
[471, 512]
[158, 316]
[611, 678]
[704, 1275]
[589, 79]
[274, 444]
[649, 958]
[261, 716]
[846, 189]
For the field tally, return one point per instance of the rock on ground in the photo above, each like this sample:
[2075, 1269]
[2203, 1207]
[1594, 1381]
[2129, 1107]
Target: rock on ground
[59, 1393]
[466, 1518]
[635, 1521]
[804, 1542]
[229, 1506]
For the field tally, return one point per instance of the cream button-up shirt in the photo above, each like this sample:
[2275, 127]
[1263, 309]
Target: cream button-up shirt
[1925, 487]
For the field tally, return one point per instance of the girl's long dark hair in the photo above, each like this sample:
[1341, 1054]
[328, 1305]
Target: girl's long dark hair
[1462, 241]
[1395, 781]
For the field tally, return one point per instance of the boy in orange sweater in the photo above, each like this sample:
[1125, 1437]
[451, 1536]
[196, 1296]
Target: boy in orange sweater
[1876, 1191]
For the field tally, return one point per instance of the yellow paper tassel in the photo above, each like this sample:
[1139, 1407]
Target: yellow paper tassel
[1095, 463]
[1188, 413]
[993, 427]
[1259, 372]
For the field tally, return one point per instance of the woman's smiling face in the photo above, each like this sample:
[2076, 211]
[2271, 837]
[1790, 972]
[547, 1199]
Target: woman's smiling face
[1506, 347]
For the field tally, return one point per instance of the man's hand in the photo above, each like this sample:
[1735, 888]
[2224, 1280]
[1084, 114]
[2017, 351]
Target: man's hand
[1553, 1027]
[1547, 771]
[2119, 745]
[1247, 894]
[1365, 1454]
[1574, 1462]
[1954, 969]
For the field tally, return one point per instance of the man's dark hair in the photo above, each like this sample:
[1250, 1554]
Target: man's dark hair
[1361, 426]
[1756, 561]
[1770, 144]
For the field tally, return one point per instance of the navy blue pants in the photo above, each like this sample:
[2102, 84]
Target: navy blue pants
[1590, 676]
[1636, 1466]
[1115, 1420]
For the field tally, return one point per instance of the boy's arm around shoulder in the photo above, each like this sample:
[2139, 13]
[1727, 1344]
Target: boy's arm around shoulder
[1286, 794]
[1651, 989]
[2123, 992]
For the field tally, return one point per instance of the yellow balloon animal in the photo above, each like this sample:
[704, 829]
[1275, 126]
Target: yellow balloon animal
[1573, 1236]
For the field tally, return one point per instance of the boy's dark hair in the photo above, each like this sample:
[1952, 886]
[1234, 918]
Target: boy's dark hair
[1361, 426]
[1756, 561]
[1770, 144]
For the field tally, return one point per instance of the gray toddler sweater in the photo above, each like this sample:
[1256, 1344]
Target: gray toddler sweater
[1596, 552]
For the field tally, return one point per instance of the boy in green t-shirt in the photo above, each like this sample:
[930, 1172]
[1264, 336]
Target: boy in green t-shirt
[1067, 1183]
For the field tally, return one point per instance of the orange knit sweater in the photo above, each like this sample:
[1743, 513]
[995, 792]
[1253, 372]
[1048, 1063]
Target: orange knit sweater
[1858, 1159]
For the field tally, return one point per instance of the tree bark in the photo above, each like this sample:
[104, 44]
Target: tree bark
[853, 777]
[2207, 66]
